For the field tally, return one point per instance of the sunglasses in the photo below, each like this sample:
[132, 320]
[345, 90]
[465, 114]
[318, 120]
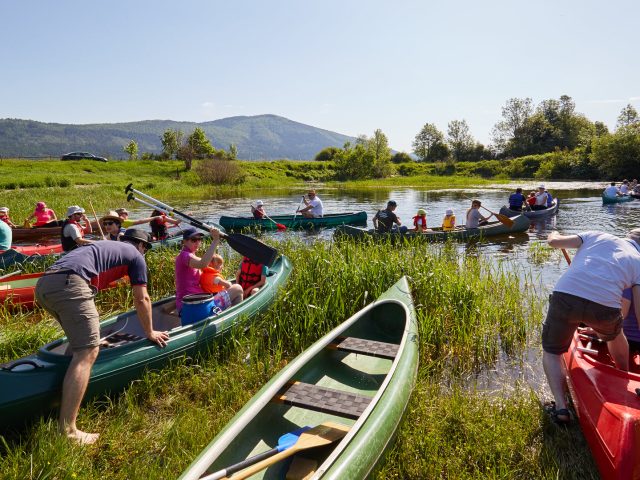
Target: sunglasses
[109, 222]
[196, 239]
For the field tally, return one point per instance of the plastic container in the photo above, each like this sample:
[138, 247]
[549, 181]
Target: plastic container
[196, 307]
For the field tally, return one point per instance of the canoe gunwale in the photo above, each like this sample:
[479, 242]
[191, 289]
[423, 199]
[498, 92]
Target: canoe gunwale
[264, 396]
[533, 214]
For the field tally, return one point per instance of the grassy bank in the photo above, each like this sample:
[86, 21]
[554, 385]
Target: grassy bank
[470, 317]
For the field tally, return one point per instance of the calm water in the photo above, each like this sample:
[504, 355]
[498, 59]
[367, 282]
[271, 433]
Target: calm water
[580, 209]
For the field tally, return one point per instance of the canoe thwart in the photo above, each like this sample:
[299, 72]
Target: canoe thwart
[365, 347]
[322, 399]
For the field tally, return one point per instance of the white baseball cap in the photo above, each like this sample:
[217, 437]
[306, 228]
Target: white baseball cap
[541, 185]
[4, 209]
[449, 211]
[259, 203]
[74, 209]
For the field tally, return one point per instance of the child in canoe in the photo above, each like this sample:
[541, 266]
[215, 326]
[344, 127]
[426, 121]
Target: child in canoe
[251, 276]
[4, 216]
[211, 279]
[449, 221]
[420, 221]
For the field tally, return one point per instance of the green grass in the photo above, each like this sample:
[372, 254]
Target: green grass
[470, 317]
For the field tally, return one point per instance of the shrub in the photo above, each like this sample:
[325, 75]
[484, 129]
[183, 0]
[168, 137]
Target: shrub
[219, 172]
[408, 169]
[327, 154]
[401, 157]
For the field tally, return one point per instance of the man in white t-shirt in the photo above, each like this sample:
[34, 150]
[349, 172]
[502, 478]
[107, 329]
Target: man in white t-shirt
[589, 292]
[624, 187]
[541, 199]
[611, 191]
[313, 208]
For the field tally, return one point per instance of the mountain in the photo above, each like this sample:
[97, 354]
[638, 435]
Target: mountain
[258, 137]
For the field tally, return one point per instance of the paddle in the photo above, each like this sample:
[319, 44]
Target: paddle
[501, 218]
[297, 210]
[97, 219]
[285, 441]
[247, 246]
[566, 256]
[279, 226]
[319, 436]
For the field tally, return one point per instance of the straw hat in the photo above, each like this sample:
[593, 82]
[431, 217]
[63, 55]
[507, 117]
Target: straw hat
[422, 211]
[111, 215]
[120, 211]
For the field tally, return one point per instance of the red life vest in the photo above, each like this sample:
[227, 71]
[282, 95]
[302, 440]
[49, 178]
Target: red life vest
[250, 273]
[420, 222]
[207, 278]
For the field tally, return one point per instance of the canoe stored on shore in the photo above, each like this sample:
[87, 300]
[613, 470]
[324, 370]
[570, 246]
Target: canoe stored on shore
[533, 214]
[620, 199]
[520, 224]
[360, 375]
[607, 401]
[32, 384]
[295, 221]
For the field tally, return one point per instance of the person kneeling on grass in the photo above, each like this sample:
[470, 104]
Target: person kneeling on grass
[189, 270]
[211, 279]
[251, 276]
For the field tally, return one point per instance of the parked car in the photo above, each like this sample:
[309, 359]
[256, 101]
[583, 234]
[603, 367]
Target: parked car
[82, 156]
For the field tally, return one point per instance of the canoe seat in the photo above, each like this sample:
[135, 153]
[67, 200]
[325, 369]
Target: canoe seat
[365, 347]
[321, 399]
[118, 339]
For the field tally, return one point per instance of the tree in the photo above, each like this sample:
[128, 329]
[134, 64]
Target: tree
[401, 157]
[171, 142]
[628, 116]
[132, 149]
[233, 152]
[617, 155]
[370, 158]
[379, 146]
[426, 142]
[327, 154]
[514, 115]
[460, 140]
[200, 144]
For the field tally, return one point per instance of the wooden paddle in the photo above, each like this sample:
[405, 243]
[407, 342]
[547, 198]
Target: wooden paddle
[297, 210]
[97, 220]
[247, 246]
[279, 226]
[566, 256]
[285, 441]
[501, 218]
[323, 434]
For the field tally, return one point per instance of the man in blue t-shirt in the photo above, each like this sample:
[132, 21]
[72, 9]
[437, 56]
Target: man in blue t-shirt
[65, 291]
[516, 200]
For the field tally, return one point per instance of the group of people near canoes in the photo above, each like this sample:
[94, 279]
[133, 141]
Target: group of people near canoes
[313, 207]
[626, 188]
[537, 200]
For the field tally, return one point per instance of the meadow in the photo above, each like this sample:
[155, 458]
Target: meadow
[470, 319]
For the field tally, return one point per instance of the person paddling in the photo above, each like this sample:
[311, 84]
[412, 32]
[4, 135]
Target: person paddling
[517, 200]
[258, 211]
[474, 217]
[611, 191]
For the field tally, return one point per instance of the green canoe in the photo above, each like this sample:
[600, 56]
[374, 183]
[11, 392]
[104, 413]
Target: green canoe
[609, 200]
[520, 224]
[359, 375]
[294, 222]
[31, 385]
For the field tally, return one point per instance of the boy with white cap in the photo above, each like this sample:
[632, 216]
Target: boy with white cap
[73, 232]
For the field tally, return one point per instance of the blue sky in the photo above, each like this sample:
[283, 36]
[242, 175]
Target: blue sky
[346, 66]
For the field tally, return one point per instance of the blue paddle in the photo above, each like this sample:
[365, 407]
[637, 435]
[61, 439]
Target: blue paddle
[284, 442]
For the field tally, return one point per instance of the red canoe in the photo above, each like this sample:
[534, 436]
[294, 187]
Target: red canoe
[607, 402]
[37, 249]
[18, 290]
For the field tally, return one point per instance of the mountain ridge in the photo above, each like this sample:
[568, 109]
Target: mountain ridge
[257, 137]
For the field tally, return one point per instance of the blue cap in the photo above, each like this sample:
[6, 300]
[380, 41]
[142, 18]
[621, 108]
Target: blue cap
[190, 232]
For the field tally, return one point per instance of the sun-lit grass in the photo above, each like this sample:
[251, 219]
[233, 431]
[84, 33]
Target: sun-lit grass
[469, 315]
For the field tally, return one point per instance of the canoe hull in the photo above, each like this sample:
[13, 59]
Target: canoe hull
[388, 384]
[608, 408]
[533, 214]
[31, 385]
[521, 224]
[297, 222]
[611, 200]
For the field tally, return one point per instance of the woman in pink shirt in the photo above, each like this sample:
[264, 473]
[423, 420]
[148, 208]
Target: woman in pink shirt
[43, 215]
[189, 268]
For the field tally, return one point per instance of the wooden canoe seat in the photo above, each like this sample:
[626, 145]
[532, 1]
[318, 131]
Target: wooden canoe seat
[118, 339]
[321, 399]
[372, 348]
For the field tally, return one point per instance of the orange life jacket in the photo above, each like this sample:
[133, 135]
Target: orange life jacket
[448, 223]
[250, 273]
[207, 278]
[420, 222]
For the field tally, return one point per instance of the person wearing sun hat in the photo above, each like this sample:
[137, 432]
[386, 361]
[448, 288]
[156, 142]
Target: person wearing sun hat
[44, 216]
[258, 211]
[541, 198]
[65, 292]
[449, 220]
[420, 221]
[111, 225]
[72, 232]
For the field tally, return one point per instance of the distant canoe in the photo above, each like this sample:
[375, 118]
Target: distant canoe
[31, 385]
[295, 222]
[533, 214]
[520, 224]
[609, 200]
[360, 376]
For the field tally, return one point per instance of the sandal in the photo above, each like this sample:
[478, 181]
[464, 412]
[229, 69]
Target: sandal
[559, 417]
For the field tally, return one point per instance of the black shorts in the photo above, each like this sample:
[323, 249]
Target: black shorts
[567, 311]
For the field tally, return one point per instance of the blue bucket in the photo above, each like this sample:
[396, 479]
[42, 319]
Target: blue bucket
[196, 307]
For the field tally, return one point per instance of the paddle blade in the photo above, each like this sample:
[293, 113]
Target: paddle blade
[289, 439]
[252, 248]
[280, 227]
[504, 219]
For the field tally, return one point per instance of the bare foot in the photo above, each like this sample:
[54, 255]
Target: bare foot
[83, 438]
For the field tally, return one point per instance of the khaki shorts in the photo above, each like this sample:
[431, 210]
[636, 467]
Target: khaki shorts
[70, 299]
[567, 311]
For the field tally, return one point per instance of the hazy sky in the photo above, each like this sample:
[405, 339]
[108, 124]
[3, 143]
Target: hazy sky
[346, 66]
